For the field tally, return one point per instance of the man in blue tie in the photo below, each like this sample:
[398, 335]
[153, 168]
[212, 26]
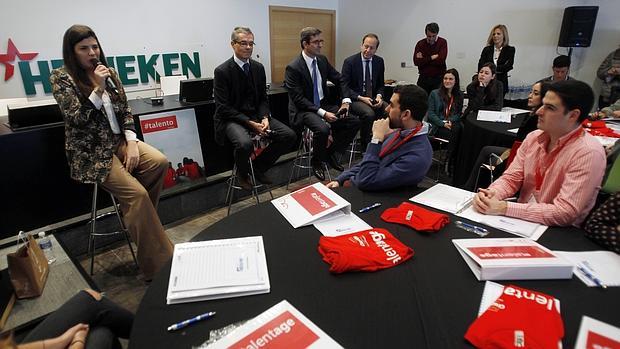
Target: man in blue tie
[242, 110]
[310, 103]
[363, 75]
[399, 153]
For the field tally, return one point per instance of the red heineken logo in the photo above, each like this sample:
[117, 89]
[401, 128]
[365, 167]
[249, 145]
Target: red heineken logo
[8, 58]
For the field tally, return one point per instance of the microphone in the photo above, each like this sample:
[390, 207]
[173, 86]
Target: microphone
[108, 81]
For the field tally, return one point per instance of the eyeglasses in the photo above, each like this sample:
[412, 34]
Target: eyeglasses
[246, 43]
[317, 42]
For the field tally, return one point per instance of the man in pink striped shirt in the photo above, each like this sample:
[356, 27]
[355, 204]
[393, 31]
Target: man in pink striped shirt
[557, 170]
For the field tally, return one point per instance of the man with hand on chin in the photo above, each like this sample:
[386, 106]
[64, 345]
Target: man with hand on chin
[557, 170]
[399, 153]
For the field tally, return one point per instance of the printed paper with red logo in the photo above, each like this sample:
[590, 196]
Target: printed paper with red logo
[280, 327]
[594, 334]
[512, 259]
[309, 204]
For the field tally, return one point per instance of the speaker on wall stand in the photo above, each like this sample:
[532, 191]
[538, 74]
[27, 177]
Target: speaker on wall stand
[577, 26]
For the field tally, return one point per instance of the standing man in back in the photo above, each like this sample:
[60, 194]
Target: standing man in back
[430, 56]
[363, 76]
[310, 103]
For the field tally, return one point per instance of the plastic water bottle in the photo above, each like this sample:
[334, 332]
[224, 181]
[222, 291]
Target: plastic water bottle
[46, 245]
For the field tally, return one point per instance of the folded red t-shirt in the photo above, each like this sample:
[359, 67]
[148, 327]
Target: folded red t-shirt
[366, 250]
[415, 217]
[519, 318]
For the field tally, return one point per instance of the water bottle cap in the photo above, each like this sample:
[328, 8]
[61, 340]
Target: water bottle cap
[42, 234]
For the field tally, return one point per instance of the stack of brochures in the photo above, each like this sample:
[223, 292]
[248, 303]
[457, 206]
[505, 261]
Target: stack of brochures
[512, 259]
[281, 326]
[218, 269]
[310, 204]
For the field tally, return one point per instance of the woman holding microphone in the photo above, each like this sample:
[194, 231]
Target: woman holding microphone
[102, 147]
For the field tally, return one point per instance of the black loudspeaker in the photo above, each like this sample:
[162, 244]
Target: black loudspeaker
[578, 26]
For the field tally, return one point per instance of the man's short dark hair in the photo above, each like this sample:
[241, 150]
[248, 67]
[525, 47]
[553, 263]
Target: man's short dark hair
[371, 35]
[432, 28]
[306, 34]
[561, 61]
[413, 98]
[574, 94]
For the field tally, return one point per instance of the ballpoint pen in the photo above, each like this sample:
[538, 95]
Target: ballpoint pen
[466, 205]
[591, 277]
[188, 322]
[368, 208]
[480, 231]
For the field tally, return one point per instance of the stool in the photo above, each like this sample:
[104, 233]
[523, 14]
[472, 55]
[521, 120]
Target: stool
[303, 157]
[233, 185]
[93, 232]
[352, 149]
[442, 159]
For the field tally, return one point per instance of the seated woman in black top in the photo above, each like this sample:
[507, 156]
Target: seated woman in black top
[485, 93]
[529, 124]
[500, 53]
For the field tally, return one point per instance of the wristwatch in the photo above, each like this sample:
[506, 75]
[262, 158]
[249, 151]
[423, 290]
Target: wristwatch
[375, 141]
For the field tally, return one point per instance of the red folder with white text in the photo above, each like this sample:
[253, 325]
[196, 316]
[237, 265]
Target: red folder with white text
[512, 259]
[310, 204]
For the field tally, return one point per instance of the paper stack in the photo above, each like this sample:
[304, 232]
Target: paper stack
[512, 259]
[281, 326]
[218, 269]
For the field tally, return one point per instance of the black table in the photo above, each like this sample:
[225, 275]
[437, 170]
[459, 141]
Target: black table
[426, 302]
[476, 135]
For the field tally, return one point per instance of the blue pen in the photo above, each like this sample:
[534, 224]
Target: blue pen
[191, 321]
[591, 276]
[366, 209]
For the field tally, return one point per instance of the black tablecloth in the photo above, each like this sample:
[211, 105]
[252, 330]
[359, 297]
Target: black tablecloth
[476, 135]
[426, 302]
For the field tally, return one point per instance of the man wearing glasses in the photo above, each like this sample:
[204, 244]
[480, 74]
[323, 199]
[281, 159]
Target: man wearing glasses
[242, 110]
[310, 102]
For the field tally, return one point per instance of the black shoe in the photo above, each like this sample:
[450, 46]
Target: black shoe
[318, 170]
[245, 182]
[262, 177]
[331, 160]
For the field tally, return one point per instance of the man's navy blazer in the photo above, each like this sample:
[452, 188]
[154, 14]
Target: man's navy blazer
[353, 75]
[298, 83]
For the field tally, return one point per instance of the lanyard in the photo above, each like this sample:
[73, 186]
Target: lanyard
[540, 173]
[391, 147]
[446, 112]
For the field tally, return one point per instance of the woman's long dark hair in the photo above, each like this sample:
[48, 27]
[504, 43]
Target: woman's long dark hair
[73, 35]
[456, 90]
[544, 87]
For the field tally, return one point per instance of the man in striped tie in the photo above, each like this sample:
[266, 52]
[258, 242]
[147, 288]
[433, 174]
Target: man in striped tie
[311, 102]
[559, 167]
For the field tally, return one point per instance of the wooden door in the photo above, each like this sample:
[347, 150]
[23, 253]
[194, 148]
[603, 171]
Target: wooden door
[285, 23]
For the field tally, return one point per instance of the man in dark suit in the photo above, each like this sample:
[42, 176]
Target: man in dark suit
[309, 102]
[363, 76]
[242, 110]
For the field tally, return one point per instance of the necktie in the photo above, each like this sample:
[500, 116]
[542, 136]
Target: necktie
[368, 78]
[246, 68]
[317, 99]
